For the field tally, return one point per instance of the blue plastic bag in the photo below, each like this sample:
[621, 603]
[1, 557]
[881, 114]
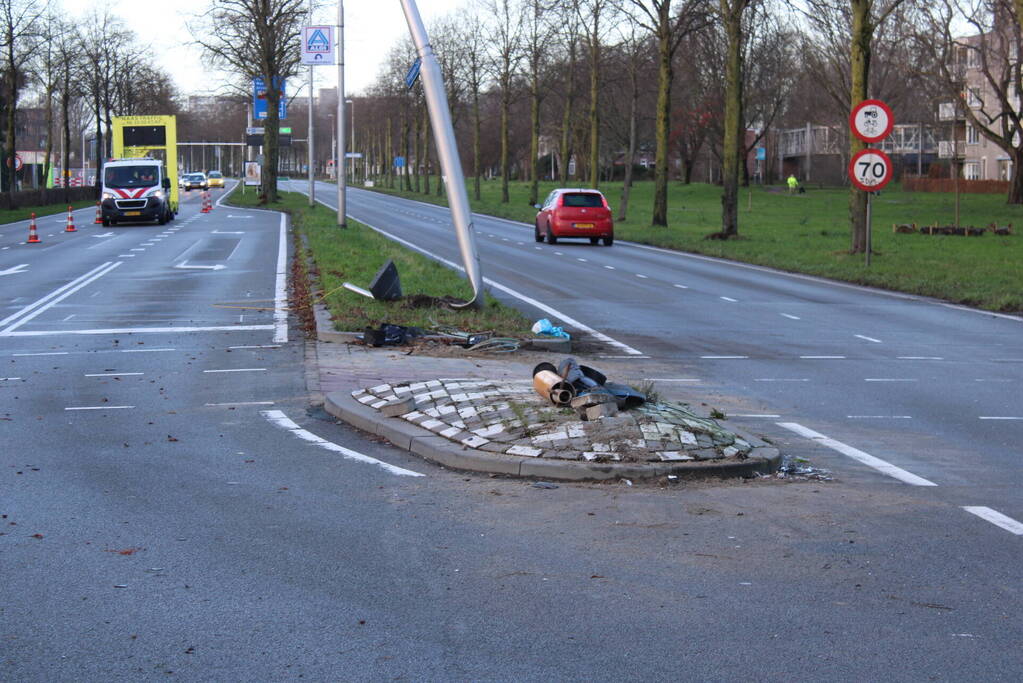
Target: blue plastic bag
[544, 327]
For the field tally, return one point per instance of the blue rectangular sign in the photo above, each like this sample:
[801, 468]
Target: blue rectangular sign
[259, 99]
[413, 73]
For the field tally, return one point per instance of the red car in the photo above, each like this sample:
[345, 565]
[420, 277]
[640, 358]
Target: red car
[574, 213]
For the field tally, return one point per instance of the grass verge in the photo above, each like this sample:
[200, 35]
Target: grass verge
[809, 233]
[24, 213]
[356, 254]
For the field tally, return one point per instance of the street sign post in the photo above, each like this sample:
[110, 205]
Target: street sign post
[870, 169]
[318, 45]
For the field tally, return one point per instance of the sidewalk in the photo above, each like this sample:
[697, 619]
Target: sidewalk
[479, 412]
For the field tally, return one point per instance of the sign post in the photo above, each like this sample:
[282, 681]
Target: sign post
[870, 169]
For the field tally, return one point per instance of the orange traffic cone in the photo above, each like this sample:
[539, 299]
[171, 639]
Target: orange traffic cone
[205, 203]
[70, 222]
[99, 215]
[33, 236]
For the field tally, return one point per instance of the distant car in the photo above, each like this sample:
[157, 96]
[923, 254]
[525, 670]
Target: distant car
[574, 213]
[215, 179]
[194, 181]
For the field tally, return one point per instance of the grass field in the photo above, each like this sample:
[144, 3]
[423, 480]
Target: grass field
[356, 254]
[23, 214]
[809, 233]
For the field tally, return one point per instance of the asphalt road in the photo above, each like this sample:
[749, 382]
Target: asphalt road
[175, 505]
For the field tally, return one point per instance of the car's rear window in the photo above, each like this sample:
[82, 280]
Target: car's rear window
[587, 199]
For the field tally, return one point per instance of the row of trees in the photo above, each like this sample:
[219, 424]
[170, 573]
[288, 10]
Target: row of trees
[79, 73]
[534, 84]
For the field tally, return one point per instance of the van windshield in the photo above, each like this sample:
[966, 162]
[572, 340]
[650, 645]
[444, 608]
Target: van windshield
[131, 176]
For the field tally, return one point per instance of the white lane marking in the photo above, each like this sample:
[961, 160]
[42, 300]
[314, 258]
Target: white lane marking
[238, 370]
[43, 353]
[680, 286]
[15, 269]
[780, 380]
[887, 379]
[1007, 360]
[879, 417]
[242, 403]
[869, 339]
[791, 317]
[113, 374]
[141, 330]
[641, 275]
[9, 379]
[148, 244]
[63, 291]
[184, 266]
[136, 249]
[996, 518]
[126, 256]
[68, 318]
[256, 346]
[723, 357]
[281, 286]
[625, 357]
[558, 253]
[1002, 381]
[858, 455]
[581, 260]
[920, 358]
[750, 415]
[229, 232]
[728, 298]
[999, 417]
[146, 350]
[281, 420]
[100, 408]
[823, 357]
[610, 267]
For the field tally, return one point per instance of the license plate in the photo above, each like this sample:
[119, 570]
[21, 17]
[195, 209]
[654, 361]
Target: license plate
[584, 225]
[132, 213]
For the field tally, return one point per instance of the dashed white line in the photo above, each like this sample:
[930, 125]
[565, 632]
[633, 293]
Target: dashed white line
[791, 317]
[1000, 417]
[753, 415]
[113, 374]
[823, 357]
[879, 417]
[610, 267]
[869, 339]
[641, 275]
[996, 518]
[581, 260]
[887, 379]
[9, 379]
[665, 379]
[768, 379]
[680, 286]
[281, 420]
[281, 285]
[99, 408]
[238, 370]
[145, 350]
[858, 455]
[723, 357]
[43, 353]
[242, 403]
[728, 298]
[256, 346]
[920, 358]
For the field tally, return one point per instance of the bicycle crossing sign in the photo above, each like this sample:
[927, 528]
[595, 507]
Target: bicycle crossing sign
[318, 45]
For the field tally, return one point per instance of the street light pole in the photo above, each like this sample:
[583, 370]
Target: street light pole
[309, 142]
[339, 164]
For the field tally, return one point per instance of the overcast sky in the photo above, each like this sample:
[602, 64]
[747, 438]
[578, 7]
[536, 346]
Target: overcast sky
[372, 27]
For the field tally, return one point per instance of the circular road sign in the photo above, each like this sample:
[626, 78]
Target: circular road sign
[870, 170]
[17, 162]
[871, 120]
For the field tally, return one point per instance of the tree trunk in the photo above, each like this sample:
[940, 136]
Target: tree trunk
[665, 75]
[630, 156]
[534, 139]
[1016, 182]
[566, 116]
[505, 166]
[862, 32]
[595, 108]
[476, 129]
[731, 13]
[427, 166]
[49, 137]
[65, 105]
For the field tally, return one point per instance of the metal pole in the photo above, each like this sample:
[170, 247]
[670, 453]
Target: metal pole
[312, 184]
[868, 228]
[451, 165]
[339, 163]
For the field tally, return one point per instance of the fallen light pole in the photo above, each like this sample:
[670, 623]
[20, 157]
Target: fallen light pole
[447, 150]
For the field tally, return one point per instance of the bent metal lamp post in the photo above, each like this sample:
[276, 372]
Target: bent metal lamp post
[451, 165]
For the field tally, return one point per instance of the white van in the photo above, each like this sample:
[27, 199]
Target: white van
[135, 190]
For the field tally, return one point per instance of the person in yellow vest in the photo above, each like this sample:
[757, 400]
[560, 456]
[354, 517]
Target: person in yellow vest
[793, 183]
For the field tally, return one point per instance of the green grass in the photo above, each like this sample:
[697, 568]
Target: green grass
[356, 254]
[809, 233]
[24, 213]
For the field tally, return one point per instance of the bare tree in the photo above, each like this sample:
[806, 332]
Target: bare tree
[472, 40]
[591, 14]
[505, 39]
[538, 31]
[20, 25]
[256, 39]
[980, 73]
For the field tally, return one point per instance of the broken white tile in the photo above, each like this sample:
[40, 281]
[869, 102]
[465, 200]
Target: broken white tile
[402, 390]
[432, 425]
[381, 388]
[650, 431]
[665, 428]
[593, 455]
[524, 450]
[602, 447]
[730, 452]
[489, 431]
[687, 438]
[433, 412]
[478, 396]
[475, 441]
[467, 412]
[458, 423]
[575, 430]
[673, 455]
[553, 436]
[446, 409]
[358, 392]
[450, 431]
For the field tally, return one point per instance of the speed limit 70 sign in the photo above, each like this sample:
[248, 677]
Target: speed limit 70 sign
[870, 170]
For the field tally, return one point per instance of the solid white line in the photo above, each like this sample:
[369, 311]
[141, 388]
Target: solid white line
[858, 455]
[141, 330]
[100, 408]
[281, 288]
[43, 353]
[239, 370]
[791, 317]
[869, 339]
[113, 374]
[24, 319]
[995, 417]
[52, 294]
[823, 357]
[281, 420]
[996, 518]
